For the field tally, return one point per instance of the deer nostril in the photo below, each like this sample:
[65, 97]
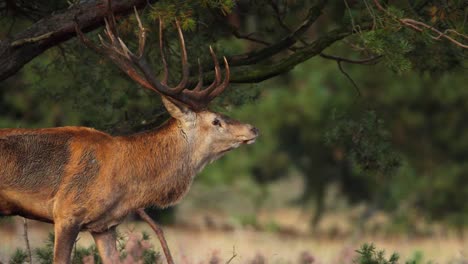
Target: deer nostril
[255, 130]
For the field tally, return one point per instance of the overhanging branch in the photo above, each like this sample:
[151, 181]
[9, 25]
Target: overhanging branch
[339, 60]
[55, 29]
[260, 72]
[283, 44]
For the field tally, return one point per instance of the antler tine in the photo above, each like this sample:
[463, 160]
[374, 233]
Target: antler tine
[208, 94]
[185, 68]
[108, 31]
[128, 61]
[225, 83]
[111, 19]
[215, 82]
[141, 35]
[121, 63]
[216, 64]
[137, 67]
[125, 50]
[111, 28]
[161, 50]
[114, 43]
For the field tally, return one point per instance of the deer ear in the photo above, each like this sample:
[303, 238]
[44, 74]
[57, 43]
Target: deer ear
[178, 110]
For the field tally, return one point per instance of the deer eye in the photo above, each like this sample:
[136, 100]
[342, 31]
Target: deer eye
[216, 122]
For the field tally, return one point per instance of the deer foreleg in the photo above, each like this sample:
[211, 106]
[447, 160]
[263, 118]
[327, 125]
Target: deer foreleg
[106, 244]
[65, 235]
[159, 232]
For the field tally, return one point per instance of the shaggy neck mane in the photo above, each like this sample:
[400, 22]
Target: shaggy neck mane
[164, 160]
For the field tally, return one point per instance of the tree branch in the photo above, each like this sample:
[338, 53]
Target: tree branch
[260, 72]
[340, 67]
[420, 26]
[258, 55]
[55, 29]
[368, 61]
[278, 15]
[235, 31]
[339, 60]
[280, 20]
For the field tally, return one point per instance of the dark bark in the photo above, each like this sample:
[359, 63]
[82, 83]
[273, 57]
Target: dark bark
[259, 55]
[55, 29]
[59, 27]
[256, 73]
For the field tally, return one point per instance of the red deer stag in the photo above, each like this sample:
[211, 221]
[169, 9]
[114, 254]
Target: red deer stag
[79, 178]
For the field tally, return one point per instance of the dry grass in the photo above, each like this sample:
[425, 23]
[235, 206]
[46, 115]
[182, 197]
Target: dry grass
[198, 246]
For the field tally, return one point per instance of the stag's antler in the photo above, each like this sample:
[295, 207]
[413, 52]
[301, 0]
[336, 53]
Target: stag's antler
[137, 67]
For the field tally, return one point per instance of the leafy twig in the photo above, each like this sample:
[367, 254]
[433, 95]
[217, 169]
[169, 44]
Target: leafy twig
[339, 60]
[348, 77]
[281, 22]
[420, 26]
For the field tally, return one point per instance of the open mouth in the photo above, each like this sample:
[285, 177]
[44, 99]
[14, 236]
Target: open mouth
[249, 141]
[245, 141]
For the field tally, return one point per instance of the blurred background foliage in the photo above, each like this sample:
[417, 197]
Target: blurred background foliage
[390, 134]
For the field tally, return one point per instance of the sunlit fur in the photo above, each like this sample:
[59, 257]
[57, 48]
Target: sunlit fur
[83, 179]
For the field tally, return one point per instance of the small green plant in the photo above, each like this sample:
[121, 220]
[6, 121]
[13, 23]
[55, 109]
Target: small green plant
[133, 248]
[81, 253]
[249, 220]
[19, 257]
[45, 255]
[150, 257]
[368, 254]
[417, 258]
[272, 226]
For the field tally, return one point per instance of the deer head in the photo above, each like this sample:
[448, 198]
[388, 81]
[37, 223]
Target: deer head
[214, 134]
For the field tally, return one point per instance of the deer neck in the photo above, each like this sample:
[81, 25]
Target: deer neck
[163, 163]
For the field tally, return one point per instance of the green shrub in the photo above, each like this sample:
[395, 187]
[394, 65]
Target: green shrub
[45, 254]
[19, 257]
[368, 254]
